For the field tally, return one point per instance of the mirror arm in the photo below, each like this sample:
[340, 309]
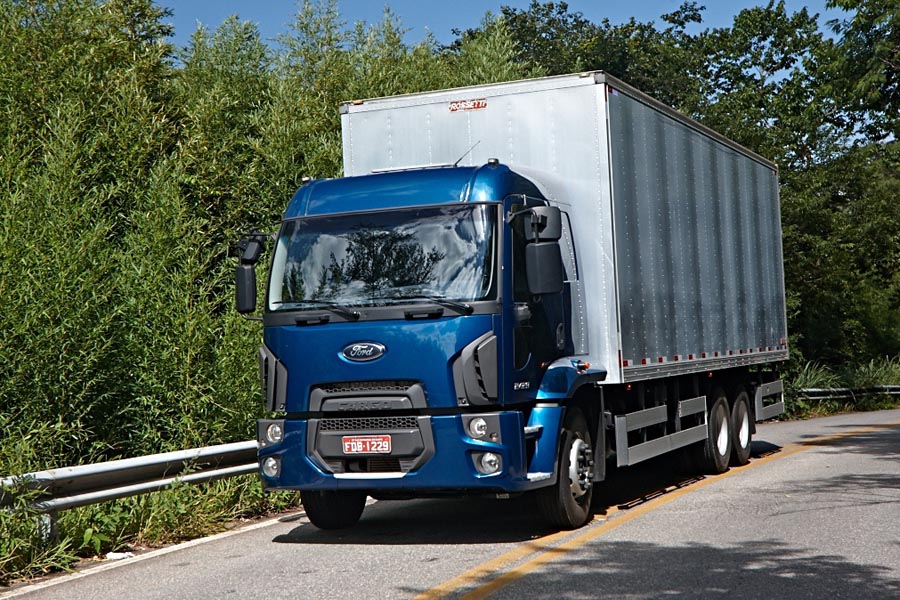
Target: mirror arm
[512, 216]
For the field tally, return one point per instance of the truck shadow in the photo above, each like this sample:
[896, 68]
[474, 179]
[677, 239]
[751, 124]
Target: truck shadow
[627, 488]
[432, 521]
[450, 521]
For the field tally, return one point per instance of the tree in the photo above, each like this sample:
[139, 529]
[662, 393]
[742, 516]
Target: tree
[865, 65]
[660, 62]
[83, 123]
[842, 256]
[548, 35]
[760, 86]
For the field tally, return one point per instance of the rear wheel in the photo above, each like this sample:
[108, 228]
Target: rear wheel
[715, 453]
[568, 503]
[741, 428]
[333, 510]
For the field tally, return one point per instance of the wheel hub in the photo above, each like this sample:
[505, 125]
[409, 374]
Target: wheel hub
[581, 468]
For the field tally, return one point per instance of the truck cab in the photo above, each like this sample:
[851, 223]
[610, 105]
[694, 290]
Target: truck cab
[409, 312]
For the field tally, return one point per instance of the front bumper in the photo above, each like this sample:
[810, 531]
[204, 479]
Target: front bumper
[433, 454]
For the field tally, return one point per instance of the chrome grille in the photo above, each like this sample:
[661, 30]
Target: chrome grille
[368, 424]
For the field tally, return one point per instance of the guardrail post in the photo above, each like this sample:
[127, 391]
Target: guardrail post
[47, 528]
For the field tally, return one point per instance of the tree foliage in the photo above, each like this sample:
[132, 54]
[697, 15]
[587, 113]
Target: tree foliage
[865, 65]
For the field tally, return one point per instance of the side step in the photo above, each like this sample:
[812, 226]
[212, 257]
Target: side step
[629, 455]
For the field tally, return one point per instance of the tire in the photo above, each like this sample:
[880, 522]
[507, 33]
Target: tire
[741, 428]
[567, 504]
[715, 453]
[333, 510]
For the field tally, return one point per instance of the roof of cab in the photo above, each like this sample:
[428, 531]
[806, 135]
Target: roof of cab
[412, 187]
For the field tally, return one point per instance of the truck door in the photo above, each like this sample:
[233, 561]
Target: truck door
[538, 321]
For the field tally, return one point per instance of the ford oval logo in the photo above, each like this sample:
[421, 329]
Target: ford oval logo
[363, 351]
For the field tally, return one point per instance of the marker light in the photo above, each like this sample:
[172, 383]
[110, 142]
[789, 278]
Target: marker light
[274, 433]
[477, 427]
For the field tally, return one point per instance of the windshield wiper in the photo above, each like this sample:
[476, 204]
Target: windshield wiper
[460, 307]
[338, 309]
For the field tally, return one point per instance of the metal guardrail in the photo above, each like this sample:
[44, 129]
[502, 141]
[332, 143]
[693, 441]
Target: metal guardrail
[69, 487]
[848, 393]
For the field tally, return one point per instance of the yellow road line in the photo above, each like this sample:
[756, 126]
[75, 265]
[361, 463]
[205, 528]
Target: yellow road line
[474, 574]
[551, 552]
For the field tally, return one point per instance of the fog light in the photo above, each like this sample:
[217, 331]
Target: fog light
[477, 427]
[271, 467]
[490, 463]
[274, 433]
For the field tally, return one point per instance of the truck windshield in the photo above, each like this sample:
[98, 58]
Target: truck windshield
[385, 257]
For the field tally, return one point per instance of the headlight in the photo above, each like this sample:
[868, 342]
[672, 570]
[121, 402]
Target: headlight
[274, 433]
[477, 427]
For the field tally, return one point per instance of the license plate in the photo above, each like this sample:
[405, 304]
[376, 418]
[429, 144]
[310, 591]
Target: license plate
[367, 444]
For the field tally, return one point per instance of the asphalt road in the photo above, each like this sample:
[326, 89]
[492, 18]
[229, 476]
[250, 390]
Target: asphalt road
[815, 515]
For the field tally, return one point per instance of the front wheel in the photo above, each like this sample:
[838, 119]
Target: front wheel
[568, 503]
[333, 510]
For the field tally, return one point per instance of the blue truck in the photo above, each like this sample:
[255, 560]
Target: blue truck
[513, 288]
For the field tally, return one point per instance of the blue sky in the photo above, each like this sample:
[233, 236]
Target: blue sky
[440, 17]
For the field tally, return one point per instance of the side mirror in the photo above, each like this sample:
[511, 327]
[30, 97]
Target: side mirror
[543, 268]
[245, 276]
[543, 257]
[245, 289]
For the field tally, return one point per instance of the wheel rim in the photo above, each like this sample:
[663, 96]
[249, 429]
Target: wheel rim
[744, 431]
[722, 437]
[580, 468]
